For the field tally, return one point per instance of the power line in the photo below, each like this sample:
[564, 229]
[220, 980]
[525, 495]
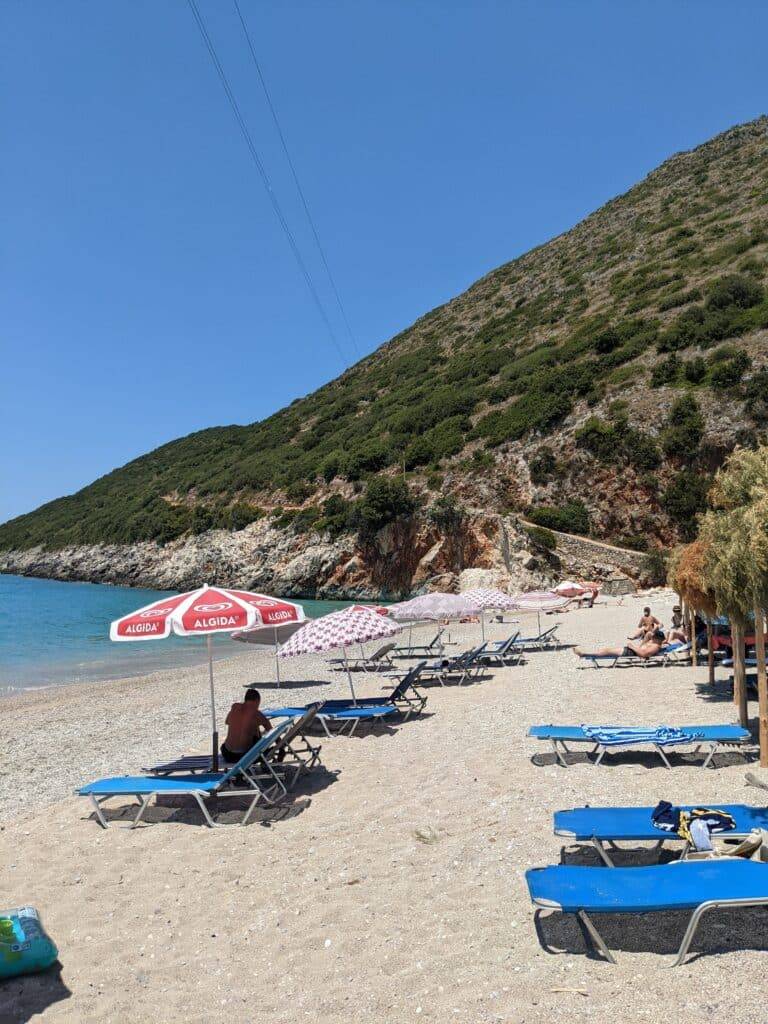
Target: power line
[299, 189]
[263, 174]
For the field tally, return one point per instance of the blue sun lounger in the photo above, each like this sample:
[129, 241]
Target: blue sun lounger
[606, 826]
[605, 738]
[676, 653]
[239, 780]
[405, 698]
[465, 666]
[345, 719]
[503, 652]
[545, 640]
[697, 886]
[293, 753]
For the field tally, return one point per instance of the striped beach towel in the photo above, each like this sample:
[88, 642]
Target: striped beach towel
[616, 736]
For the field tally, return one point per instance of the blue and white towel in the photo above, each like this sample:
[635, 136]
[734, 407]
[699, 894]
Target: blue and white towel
[618, 736]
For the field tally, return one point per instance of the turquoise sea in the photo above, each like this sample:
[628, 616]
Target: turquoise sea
[52, 633]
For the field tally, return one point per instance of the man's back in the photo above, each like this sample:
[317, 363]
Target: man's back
[244, 720]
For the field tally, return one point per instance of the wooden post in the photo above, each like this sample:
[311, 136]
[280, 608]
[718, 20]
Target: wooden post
[692, 635]
[739, 671]
[710, 654]
[762, 686]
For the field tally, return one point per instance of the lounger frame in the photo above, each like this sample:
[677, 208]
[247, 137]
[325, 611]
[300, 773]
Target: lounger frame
[561, 749]
[249, 784]
[664, 659]
[542, 905]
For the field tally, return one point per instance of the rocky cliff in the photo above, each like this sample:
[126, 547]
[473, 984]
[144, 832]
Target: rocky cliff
[403, 558]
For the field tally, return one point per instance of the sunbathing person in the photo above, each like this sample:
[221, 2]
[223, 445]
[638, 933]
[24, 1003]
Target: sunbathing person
[246, 722]
[647, 624]
[649, 646]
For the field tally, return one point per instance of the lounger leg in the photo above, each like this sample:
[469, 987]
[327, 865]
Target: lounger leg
[602, 753]
[662, 755]
[99, 814]
[251, 808]
[595, 935]
[558, 755]
[602, 852]
[710, 755]
[207, 817]
[690, 931]
[143, 805]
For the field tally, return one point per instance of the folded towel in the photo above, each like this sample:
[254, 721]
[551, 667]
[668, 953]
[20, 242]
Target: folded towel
[617, 736]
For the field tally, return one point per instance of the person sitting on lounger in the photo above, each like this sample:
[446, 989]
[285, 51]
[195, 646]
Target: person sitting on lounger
[645, 627]
[644, 648]
[246, 723]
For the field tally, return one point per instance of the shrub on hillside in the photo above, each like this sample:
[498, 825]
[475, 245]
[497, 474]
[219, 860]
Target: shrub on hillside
[734, 290]
[543, 466]
[684, 428]
[684, 499]
[665, 371]
[542, 537]
[728, 373]
[756, 397]
[384, 501]
[446, 513]
[572, 517]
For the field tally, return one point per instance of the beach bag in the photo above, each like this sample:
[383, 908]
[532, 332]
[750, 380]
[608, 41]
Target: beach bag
[24, 946]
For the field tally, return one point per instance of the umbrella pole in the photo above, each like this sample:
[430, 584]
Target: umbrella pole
[277, 661]
[482, 623]
[215, 751]
[349, 677]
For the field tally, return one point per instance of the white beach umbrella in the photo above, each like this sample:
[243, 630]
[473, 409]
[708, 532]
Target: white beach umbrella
[341, 629]
[269, 636]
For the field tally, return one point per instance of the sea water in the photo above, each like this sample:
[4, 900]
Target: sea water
[53, 633]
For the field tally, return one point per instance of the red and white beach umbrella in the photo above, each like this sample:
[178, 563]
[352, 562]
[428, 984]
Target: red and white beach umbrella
[350, 626]
[203, 612]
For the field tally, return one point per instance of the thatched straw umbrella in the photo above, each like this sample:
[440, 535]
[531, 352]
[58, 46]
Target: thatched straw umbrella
[690, 581]
[737, 564]
[727, 577]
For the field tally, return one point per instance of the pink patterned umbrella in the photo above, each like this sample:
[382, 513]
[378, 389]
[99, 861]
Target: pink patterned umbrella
[355, 625]
[434, 606]
[539, 601]
[486, 599]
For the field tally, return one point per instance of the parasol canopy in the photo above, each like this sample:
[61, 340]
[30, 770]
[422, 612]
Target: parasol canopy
[435, 607]
[342, 629]
[203, 612]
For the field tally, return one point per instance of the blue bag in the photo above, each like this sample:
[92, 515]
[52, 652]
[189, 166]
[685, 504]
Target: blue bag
[24, 946]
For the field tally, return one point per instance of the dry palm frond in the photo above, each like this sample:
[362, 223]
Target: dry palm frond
[691, 578]
[742, 480]
[728, 573]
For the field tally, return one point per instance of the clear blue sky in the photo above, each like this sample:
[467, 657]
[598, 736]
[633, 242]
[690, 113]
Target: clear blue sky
[147, 289]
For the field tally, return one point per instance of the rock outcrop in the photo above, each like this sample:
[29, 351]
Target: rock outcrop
[410, 556]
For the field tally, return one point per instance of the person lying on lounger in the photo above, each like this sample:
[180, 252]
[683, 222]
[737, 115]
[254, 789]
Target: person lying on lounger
[645, 627]
[246, 722]
[645, 648]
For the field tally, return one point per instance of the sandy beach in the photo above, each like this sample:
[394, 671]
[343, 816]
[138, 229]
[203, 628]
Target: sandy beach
[334, 908]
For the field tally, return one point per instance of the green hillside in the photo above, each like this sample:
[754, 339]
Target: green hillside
[663, 287]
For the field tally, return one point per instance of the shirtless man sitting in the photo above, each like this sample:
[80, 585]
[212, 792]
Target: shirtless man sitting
[647, 624]
[645, 648]
[246, 722]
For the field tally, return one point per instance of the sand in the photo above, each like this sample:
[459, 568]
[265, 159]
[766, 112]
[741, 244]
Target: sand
[335, 908]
